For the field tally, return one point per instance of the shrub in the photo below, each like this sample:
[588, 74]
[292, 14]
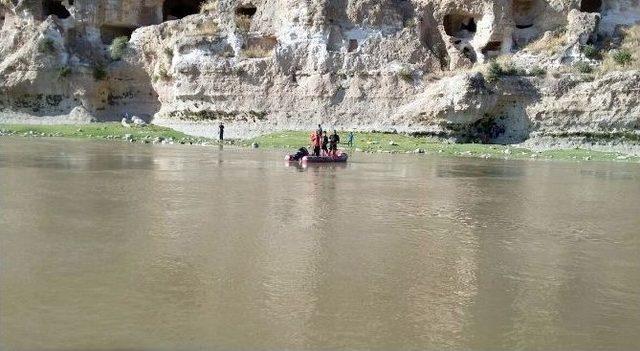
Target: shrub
[410, 23]
[169, 53]
[208, 28]
[494, 72]
[163, 75]
[627, 55]
[583, 67]
[591, 52]
[243, 23]
[622, 57]
[47, 46]
[64, 72]
[99, 72]
[537, 71]
[257, 52]
[118, 48]
[510, 69]
[406, 74]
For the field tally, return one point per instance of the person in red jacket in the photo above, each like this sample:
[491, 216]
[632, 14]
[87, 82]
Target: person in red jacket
[316, 142]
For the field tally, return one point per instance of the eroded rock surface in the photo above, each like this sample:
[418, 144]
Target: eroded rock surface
[259, 65]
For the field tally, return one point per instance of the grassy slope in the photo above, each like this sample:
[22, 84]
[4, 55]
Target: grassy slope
[397, 143]
[98, 131]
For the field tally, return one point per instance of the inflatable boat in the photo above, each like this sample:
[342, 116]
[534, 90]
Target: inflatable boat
[340, 158]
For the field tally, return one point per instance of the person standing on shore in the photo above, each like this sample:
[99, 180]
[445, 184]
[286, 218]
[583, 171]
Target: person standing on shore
[221, 132]
[350, 139]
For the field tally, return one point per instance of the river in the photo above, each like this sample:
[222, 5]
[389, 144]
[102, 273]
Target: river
[135, 247]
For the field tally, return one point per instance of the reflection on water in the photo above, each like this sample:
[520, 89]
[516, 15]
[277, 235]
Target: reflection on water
[117, 246]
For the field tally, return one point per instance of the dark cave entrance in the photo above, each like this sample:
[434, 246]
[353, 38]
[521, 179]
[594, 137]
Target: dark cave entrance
[525, 12]
[55, 8]
[176, 9]
[460, 26]
[492, 49]
[246, 10]
[108, 33]
[244, 14]
[592, 6]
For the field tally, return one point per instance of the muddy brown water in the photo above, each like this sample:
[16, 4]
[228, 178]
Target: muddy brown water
[132, 247]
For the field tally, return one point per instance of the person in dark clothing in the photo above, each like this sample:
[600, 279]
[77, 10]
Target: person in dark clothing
[334, 140]
[350, 139]
[221, 132]
[325, 144]
[302, 152]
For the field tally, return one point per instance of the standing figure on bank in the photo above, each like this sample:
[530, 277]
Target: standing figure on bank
[350, 139]
[221, 132]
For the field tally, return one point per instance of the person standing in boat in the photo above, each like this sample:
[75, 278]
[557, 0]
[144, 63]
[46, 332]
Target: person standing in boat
[325, 144]
[334, 140]
[316, 142]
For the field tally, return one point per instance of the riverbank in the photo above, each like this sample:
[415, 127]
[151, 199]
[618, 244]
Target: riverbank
[291, 140]
[106, 131]
[399, 143]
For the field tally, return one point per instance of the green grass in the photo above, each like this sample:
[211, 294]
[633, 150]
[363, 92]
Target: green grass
[364, 142]
[399, 143]
[108, 131]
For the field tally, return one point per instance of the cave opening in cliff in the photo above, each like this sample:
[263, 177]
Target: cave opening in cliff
[460, 26]
[353, 45]
[55, 8]
[593, 6]
[525, 12]
[244, 14]
[246, 10]
[108, 33]
[492, 49]
[176, 9]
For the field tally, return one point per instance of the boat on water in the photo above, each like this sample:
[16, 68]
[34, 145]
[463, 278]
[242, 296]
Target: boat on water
[303, 157]
[340, 158]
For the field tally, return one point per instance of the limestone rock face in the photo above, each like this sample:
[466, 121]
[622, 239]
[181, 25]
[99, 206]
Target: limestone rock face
[260, 65]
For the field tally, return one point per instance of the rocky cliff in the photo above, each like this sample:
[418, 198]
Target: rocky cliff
[488, 70]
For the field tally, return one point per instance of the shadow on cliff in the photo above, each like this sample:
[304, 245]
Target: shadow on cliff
[129, 91]
[509, 121]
